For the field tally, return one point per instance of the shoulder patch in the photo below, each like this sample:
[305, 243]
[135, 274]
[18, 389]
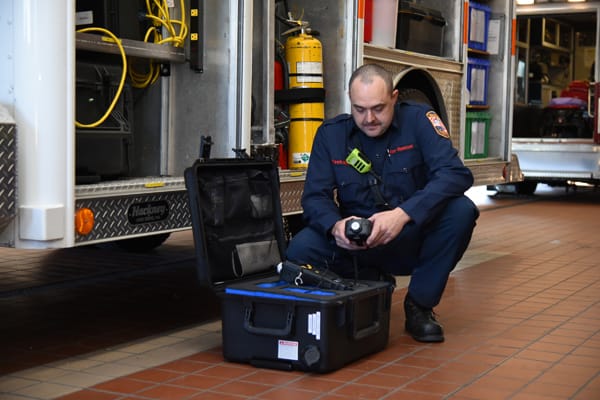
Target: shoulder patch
[437, 123]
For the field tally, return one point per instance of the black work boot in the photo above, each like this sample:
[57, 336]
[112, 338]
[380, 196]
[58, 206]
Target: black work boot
[420, 322]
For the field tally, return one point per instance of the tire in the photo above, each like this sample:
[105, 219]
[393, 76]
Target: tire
[142, 244]
[526, 187]
[413, 95]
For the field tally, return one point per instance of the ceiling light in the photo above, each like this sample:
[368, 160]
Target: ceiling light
[524, 2]
[576, 1]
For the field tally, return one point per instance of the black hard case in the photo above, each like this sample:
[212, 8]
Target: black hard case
[265, 321]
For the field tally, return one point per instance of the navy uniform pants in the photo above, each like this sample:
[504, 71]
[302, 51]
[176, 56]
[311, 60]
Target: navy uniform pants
[428, 254]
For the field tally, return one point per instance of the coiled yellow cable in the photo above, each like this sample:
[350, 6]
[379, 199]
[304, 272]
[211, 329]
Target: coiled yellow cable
[158, 14]
[142, 80]
[113, 38]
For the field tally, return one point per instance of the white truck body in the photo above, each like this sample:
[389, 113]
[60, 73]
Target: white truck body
[557, 156]
[227, 95]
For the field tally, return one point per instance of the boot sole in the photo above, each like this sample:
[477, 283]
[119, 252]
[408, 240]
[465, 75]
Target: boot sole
[426, 338]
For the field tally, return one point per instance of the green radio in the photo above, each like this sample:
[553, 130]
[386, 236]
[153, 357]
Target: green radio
[359, 161]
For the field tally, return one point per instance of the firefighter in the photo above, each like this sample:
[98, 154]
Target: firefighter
[412, 192]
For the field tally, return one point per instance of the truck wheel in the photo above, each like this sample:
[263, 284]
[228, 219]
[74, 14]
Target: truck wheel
[412, 94]
[142, 244]
[526, 187]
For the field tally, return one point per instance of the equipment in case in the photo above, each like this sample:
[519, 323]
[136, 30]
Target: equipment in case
[270, 320]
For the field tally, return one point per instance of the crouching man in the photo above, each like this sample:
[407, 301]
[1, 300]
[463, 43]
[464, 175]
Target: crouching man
[392, 163]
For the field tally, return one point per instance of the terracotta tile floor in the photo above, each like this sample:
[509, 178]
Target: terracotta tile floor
[521, 316]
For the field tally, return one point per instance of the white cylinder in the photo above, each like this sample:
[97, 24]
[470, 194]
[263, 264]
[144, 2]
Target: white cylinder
[44, 51]
[385, 22]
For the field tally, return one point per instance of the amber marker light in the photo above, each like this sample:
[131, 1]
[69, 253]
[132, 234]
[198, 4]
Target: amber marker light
[84, 221]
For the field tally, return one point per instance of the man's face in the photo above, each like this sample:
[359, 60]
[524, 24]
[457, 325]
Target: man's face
[372, 106]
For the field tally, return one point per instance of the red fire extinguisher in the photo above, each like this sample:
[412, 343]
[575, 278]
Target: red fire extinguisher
[278, 75]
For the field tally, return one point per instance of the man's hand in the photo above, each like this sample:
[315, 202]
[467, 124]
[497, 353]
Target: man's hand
[386, 226]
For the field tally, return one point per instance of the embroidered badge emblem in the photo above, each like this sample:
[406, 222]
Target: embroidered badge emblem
[438, 125]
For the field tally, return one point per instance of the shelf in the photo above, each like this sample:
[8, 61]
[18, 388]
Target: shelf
[550, 46]
[133, 48]
[551, 34]
[478, 52]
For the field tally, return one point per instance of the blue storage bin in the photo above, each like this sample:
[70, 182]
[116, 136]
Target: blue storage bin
[477, 80]
[479, 21]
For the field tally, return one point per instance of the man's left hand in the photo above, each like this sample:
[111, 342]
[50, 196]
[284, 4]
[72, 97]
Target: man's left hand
[386, 226]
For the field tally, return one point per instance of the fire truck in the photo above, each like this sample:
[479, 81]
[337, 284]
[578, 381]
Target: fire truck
[556, 135]
[103, 104]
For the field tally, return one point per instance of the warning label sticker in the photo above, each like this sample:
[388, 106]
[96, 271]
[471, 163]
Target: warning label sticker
[287, 350]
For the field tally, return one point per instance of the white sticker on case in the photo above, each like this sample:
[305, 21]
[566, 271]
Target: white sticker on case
[287, 350]
[314, 324]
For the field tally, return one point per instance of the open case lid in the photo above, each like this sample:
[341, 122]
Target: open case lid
[236, 219]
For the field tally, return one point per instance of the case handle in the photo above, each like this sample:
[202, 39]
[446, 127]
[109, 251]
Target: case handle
[373, 328]
[368, 331]
[285, 331]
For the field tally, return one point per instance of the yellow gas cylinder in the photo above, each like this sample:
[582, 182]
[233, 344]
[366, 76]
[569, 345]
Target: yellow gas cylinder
[304, 55]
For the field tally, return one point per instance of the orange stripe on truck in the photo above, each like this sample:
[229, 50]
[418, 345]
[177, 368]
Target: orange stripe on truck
[466, 23]
[513, 43]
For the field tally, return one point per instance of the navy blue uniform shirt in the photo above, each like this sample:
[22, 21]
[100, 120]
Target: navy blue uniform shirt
[418, 166]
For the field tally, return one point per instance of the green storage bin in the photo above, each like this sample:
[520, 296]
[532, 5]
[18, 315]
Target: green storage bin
[477, 134]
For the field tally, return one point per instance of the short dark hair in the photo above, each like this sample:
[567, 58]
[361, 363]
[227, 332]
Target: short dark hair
[366, 72]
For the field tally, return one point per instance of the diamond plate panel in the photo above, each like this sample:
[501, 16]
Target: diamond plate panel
[450, 86]
[445, 73]
[291, 194]
[112, 222]
[129, 187]
[8, 192]
[487, 173]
